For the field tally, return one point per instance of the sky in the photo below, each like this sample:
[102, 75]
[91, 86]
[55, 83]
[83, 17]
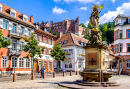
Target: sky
[59, 10]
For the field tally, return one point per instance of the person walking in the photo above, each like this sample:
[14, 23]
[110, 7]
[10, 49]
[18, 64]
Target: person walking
[42, 71]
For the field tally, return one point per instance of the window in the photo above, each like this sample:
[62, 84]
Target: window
[14, 44]
[120, 47]
[37, 27]
[117, 22]
[65, 42]
[40, 38]
[21, 62]
[128, 33]
[49, 41]
[45, 65]
[21, 45]
[28, 63]
[129, 20]
[66, 65]
[29, 32]
[13, 14]
[25, 19]
[128, 47]
[117, 48]
[4, 24]
[120, 34]
[71, 51]
[44, 39]
[14, 28]
[50, 68]
[4, 62]
[70, 65]
[21, 30]
[36, 37]
[59, 42]
[49, 51]
[14, 61]
[128, 64]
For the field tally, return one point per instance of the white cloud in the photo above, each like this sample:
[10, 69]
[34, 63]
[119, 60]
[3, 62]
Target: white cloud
[113, 1]
[82, 1]
[83, 8]
[56, 0]
[86, 23]
[58, 10]
[111, 15]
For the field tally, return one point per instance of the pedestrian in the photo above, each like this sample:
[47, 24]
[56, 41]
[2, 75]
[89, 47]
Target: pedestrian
[42, 71]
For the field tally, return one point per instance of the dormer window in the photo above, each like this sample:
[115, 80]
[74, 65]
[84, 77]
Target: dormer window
[37, 27]
[25, 18]
[13, 12]
[1, 7]
[129, 20]
[117, 22]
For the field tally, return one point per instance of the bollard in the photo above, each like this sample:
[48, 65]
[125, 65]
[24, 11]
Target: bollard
[54, 74]
[70, 73]
[14, 77]
[76, 72]
[63, 73]
[44, 75]
[32, 76]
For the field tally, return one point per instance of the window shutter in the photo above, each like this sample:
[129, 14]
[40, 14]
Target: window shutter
[10, 25]
[18, 44]
[10, 46]
[1, 22]
[18, 28]
[6, 61]
[25, 31]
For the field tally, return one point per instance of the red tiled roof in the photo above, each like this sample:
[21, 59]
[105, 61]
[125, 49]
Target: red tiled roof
[72, 39]
[5, 11]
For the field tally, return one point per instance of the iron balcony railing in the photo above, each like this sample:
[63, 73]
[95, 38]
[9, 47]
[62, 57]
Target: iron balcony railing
[14, 51]
[15, 34]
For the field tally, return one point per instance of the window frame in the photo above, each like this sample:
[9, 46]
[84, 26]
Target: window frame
[128, 61]
[29, 61]
[15, 28]
[127, 34]
[6, 24]
[21, 61]
[127, 47]
[22, 31]
[40, 38]
[121, 47]
[5, 60]
[121, 34]
[15, 62]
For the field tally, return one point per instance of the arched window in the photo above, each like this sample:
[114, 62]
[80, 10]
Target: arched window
[128, 64]
[70, 65]
[66, 65]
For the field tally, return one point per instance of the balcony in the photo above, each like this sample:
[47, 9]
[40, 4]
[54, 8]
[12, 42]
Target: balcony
[15, 34]
[16, 52]
[81, 57]
[69, 56]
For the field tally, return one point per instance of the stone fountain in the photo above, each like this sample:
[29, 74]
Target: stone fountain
[95, 73]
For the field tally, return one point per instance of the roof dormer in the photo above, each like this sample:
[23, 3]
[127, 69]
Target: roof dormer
[25, 18]
[1, 7]
[120, 19]
[13, 12]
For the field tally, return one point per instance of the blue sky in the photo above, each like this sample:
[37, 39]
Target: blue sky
[58, 10]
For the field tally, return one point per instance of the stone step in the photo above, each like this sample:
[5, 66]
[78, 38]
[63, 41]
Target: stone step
[85, 84]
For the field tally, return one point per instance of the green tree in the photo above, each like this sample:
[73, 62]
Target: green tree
[51, 31]
[86, 33]
[58, 54]
[32, 48]
[82, 25]
[110, 35]
[89, 26]
[3, 42]
[55, 33]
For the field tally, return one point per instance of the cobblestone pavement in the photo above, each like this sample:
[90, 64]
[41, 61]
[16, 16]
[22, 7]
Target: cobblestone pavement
[52, 83]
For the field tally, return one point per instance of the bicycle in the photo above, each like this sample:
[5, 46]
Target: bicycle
[1, 73]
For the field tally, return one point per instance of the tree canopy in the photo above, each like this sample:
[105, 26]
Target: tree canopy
[3, 41]
[57, 53]
[55, 33]
[51, 31]
[82, 25]
[32, 47]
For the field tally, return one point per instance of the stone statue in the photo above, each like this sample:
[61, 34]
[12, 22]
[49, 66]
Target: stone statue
[94, 21]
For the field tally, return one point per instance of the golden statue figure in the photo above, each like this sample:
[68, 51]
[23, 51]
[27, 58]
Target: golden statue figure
[94, 21]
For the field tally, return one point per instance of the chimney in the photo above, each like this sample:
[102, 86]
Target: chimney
[31, 19]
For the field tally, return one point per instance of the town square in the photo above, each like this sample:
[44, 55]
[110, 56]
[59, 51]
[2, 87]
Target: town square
[65, 44]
